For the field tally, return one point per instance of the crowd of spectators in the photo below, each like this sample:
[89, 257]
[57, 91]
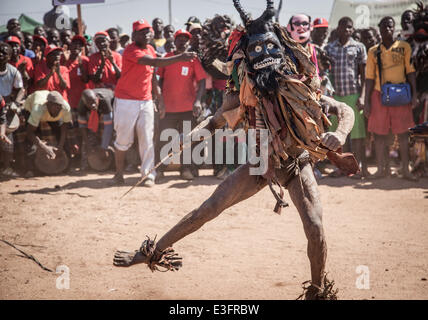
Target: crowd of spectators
[62, 92]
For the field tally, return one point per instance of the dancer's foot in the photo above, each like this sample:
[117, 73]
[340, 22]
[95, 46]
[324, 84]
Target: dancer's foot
[127, 259]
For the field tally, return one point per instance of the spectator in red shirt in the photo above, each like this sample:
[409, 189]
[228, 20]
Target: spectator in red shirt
[182, 101]
[49, 75]
[134, 108]
[19, 61]
[104, 66]
[77, 66]
[39, 46]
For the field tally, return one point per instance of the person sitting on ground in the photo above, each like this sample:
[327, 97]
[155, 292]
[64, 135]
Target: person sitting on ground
[12, 91]
[95, 108]
[104, 66]
[47, 109]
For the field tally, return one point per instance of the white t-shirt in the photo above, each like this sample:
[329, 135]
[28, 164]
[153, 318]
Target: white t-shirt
[9, 79]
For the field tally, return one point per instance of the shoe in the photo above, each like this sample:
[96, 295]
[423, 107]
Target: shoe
[29, 174]
[377, 175]
[336, 174]
[10, 173]
[357, 176]
[117, 180]
[159, 176]
[186, 174]
[409, 176]
[148, 183]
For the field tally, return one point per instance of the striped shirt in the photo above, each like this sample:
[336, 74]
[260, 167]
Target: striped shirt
[346, 61]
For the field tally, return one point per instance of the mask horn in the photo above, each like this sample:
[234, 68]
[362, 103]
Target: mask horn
[244, 15]
[269, 12]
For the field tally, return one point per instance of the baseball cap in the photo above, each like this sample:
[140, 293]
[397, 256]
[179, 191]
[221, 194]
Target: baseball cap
[13, 39]
[182, 32]
[35, 37]
[77, 37]
[52, 48]
[140, 25]
[320, 23]
[101, 34]
[194, 26]
[191, 20]
[56, 97]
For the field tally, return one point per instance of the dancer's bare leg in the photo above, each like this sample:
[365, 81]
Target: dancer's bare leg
[237, 187]
[306, 198]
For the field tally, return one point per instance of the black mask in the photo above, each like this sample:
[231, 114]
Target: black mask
[264, 52]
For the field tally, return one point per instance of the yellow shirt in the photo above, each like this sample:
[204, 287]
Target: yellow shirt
[159, 42]
[395, 63]
[36, 105]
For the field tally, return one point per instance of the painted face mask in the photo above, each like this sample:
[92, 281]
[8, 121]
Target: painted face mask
[264, 50]
[300, 30]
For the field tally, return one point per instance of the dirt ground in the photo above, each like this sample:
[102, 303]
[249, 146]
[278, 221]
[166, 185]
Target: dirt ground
[248, 252]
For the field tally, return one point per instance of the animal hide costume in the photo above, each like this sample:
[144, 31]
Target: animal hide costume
[278, 90]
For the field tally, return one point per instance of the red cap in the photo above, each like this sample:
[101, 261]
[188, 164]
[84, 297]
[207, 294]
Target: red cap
[13, 39]
[182, 32]
[50, 49]
[41, 38]
[140, 25]
[77, 37]
[101, 34]
[320, 23]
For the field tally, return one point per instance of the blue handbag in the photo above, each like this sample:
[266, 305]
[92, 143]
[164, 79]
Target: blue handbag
[392, 94]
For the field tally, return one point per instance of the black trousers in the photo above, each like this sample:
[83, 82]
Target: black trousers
[173, 120]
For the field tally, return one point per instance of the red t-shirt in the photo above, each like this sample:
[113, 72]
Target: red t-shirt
[29, 68]
[108, 77]
[135, 83]
[76, 84]
[53, 84]
[178, 89]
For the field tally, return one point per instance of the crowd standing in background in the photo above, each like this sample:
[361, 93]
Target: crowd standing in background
[68, 95]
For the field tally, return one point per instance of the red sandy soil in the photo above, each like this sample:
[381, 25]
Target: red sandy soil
[248, 252]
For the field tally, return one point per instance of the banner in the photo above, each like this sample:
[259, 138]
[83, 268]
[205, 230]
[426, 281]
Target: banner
[369, 13]
[71, 2]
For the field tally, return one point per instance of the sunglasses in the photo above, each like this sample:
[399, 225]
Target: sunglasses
[303, 24]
